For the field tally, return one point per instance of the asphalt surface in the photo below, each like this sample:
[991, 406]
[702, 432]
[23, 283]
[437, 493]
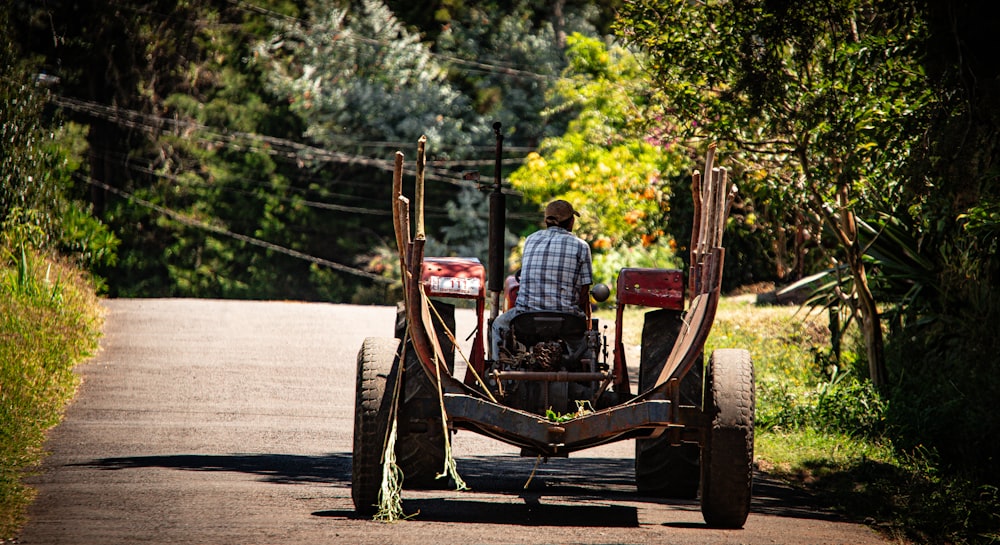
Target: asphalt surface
[224, 422]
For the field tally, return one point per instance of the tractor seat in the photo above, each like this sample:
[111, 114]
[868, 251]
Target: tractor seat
[531, 328]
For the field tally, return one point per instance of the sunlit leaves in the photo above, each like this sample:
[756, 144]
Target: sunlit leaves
[617, 180]
[820, 94]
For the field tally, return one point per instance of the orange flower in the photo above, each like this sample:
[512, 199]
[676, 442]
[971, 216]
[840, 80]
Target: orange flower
[602, 243]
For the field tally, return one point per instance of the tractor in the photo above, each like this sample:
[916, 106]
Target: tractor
[553, 389]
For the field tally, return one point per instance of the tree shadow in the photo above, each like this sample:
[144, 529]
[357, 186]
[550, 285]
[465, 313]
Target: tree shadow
[534, 491]
[334, 469]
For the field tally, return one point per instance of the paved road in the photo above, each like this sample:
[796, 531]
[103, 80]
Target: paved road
[220, 422]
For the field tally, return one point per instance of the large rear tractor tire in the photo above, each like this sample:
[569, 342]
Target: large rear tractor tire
[447, 313]
[420, 451]
[376, 379]
[727, 454]
[661, 469]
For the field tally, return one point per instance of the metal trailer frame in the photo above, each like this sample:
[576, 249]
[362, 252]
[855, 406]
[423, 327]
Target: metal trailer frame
[651, 413]
[654, 410]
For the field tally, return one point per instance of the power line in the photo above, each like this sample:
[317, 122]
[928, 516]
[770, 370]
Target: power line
[147, 170]
[304, 202]
[244, 238]
[432, 211]
[239, 140]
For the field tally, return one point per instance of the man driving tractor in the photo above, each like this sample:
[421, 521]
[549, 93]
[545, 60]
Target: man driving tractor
[555, 272]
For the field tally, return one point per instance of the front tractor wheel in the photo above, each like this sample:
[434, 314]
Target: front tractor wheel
[376, 379]
[727, 453]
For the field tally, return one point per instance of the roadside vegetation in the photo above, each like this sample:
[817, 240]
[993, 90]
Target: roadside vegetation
[823, 428]
[49, 316]
[49, 322]
[821, 425]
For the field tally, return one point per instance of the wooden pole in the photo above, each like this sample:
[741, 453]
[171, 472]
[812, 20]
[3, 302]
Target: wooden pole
[695, 257]
[397, 192]
[419, 193]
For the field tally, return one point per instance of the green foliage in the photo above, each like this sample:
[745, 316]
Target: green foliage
[522, 41]
[86, 238]
[467, 235]
[365, 77]
[941, 319]
[26, 182]
[616, 181]
[982, 222]
[798, 387]
[868, 108]
[943, 396]
[844, 405]
[837, 437]
[834, 99]
[38, 159]
[911, 499]
[834, 434]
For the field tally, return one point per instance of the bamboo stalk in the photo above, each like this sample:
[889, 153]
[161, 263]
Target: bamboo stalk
[419, 194]
[695, 233]
[706, 200]
[397, 192]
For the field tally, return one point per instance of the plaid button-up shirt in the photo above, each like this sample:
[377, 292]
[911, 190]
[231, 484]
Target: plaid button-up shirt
[554, 266]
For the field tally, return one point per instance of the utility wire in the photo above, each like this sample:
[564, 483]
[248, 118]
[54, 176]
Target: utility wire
[304, 202]
[244, 238]
[433, 211]
[239, 140]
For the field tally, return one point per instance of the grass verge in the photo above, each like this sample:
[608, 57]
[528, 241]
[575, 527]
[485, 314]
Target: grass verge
[50, 320]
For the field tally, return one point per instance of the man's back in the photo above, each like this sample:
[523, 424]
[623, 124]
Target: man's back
[554, 266]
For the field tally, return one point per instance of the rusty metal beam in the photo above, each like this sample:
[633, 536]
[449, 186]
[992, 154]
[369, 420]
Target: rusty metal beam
[551, 376]
[522, 427]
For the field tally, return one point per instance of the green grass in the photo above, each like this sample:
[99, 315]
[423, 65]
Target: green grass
[49, 321]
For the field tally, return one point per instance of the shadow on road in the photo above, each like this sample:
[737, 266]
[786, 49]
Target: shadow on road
[563, 480]
[275, 468]
[533, 511]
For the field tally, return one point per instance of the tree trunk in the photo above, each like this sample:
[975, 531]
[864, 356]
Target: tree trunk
[871, 323]
[559, 23]
[844, 227]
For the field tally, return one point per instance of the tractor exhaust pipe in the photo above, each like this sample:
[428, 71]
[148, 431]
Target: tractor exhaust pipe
[498, 223]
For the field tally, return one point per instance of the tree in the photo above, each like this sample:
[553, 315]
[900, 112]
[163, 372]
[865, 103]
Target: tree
[519, 57]
[824, 96]
[25, 181]
[361, 78]
[38, 156]
[616, 180]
